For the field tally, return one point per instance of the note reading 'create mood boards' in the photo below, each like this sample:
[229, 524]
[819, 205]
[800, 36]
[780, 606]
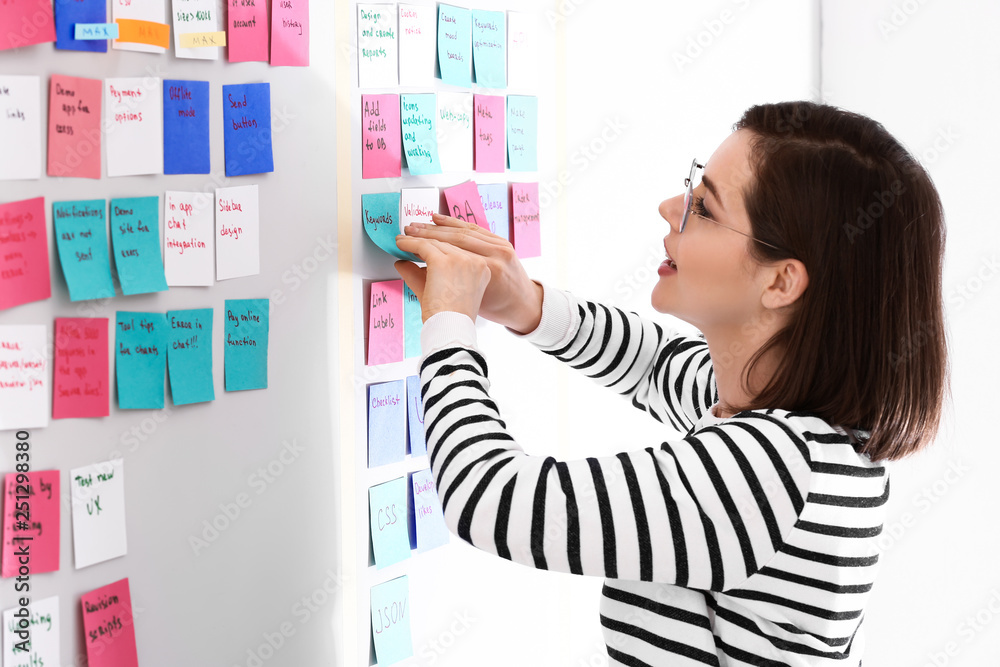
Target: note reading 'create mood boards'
[386, 423]
[380, 218]
[390, 605]
[74, 127]
[381, 153]
[385, 323]
[26, 22]
[489, 48]
[417, 46]
[140, 26]
[24, 377]
[247, 31]
[455, 131]
[237, 237]
[526, 230]
[20, 127]
[413, 323]
[415, 417]
[387, 505]
[40, 530]
[98, 498]
[134, 126]
[246, 343]
[377, 46]
[197, 17]
[135, 238]
[454, 33]
[81, 387]
[140, 359]
[71, 14]
[490, 138]
[82, 241]
[430, 529]
[109, 626]
[185, 127]
[24, 260]
[464, 203]
[420, 133]
[494, 198]
[290, 33]
[247, 115]
[189, 238]
[189, 357]
[522, 132]
[42, 646]
[522, 51]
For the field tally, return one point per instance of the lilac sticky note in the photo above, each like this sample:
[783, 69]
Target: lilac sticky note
[488, 119]
[381, 140]
[494, 198]
[386, 423]
[464, 203]
[385, 323]
[526, 230]
[185, 127]
[415, 417]
[430, 528]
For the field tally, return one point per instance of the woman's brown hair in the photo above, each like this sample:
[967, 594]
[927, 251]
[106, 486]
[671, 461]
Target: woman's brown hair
[865, 346]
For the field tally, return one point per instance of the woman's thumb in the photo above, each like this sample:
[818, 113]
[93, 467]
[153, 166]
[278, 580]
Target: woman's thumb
[414, 276]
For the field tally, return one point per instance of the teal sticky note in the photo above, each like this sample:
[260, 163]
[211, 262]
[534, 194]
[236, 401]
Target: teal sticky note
[387, 504]
[417, 113]
[390, 605]
[494, 198]
[522, 132]
[189, 355]
[135, 237]
[489, 48]
[380, 218]
[455, 45]
[413, 323]
[140, 359]
[386, 423]
[82, 242]
[430, 529]
[246, 343]
[415, 417]
[89, 31]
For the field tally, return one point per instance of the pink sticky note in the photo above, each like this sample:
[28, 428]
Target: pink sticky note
[24, 253]
[75, 126]
[81, 368]
[385, 323]
[290, 32]
[464, 203]
[39, 532]
[109, 627]
[247, 31]
[488, 126]
[26, 22]
[381, 139]
[527, 232]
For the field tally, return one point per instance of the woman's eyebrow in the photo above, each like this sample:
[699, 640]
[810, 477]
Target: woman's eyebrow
[711, 188]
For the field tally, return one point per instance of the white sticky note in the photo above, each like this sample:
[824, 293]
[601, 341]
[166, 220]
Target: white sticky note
[25, 377]
[146, 10]
[417, 44]
[98, 499]
[417, 205]
[522, 51]
[133, 125]
[237, 232]
[196, 16]
[378, 46]
[43, 629]
[454, 128]
[20, 127]
[189, 238]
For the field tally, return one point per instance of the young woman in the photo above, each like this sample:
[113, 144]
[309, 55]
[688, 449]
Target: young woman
[809, 257]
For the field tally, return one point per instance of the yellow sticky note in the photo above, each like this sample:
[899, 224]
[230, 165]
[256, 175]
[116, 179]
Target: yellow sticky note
[194, 40]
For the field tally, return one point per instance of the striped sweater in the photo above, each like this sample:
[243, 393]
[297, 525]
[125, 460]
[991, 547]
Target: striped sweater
[749, 541]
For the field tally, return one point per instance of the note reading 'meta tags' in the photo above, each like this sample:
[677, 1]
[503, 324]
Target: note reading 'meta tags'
[24, 377]
[454, 35]
[386, 423]
[522, 51]
[380, 136]
[196, 16]
[419, 133]
[494, 198]
[390, 605]
[290, 33]
[489, 48]
[98, 499]
[189, 238]
[140, 359]
[140, 25]
[413, 323]
[378, 50]
[455, 131]
[135, 238]
[74, 127]
[20, 127]
[526, 229]
[246, 343]
[418, 205]
[247, 31]
[26, 22]
[189, 356]
[39, 532]
[237, 236]
[431, 529]
[385, 323]
[185, 127]
[109, 626]
[522, 132]
[134, 126]
[464, 203]
[81, 387]
[415, 417]
[24, 253]
[380, 218]
[387, 506]
[82, 241]
[490, 138]
[417, 45]
[247, 115]
[38, 644]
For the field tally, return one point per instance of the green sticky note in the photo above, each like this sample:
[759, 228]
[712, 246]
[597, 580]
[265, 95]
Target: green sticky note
[140, 359]
[135, 236]
[417, 114]
[380, 218]
[522, 132]
[189, 355]
[390, 604]
[246, 344]
[387, 504]
[82, 240]
[489, 48]
[413, 323]
[455, 45]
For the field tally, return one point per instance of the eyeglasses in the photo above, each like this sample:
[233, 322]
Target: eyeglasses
[689, 183]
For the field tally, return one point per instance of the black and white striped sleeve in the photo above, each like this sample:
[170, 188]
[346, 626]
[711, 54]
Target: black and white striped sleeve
[659, 371]
[705, 511]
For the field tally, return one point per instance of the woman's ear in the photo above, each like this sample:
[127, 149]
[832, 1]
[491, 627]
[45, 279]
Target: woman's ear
[788, 280]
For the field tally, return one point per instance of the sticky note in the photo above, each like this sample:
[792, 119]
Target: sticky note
[526, 229]
[455, 131]
[189, 238]
[454, 34]
[40, 532]
[522, 132]
[380, 218]
[75, 127]
[488, 121]
[415, 417]
[247, 26]
[378, 47]
[150, 33]
[109, 627]
[189, 355]
[237, 232]
[246, 343]
[413, 323]
[81, 387]
[185, 127]
[198, 17]
[387, 506]
[489, 48]
[464, 203]
[202, 42]
[417, 44]
[140, 359]
[430, 527]
[82, 241]
[135, 238]
[522, 51]
[380, 136]
[140, 26]
[134, 126]
[20, 127]
[385, 323]
[386, 423]
[420, 134]
[494, 199]
[390, 605]
[247, 115]
[26, 22]
[24, 260]
[43, 631]
[24, 376]
[91, 33]
[290, 33]
[418, 205]
[98, 499]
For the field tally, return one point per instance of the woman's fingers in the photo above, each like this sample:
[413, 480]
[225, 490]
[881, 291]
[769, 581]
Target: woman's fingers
[424, 248]
[463, 238]
[455, 223]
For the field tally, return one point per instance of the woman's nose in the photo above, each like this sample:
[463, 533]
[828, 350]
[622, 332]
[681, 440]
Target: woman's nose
[672, 210]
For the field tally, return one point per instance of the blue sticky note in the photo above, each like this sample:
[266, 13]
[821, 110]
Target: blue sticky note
[413, 323]
[430, 529]
[135, 237]
[386, 423]
[522, 132]
[140, 359]
[420, 146]
[185, 127]
[95, 31]
[387, 504]
[390, 605]
[246, 343]
[489, 48]
[380, 218]
[455, 45]
[69, 15]
[246, 110]
[495, 203]
[415, 417]
[82, 241]
[189, 355]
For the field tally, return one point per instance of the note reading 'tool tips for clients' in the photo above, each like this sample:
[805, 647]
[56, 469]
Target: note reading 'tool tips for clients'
[140, 359]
